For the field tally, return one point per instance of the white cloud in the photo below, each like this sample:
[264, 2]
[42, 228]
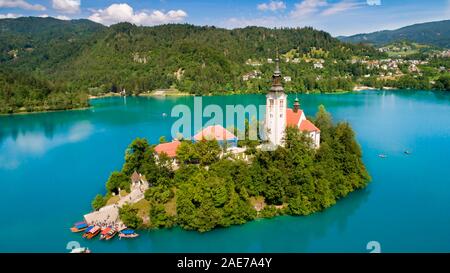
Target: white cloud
[272, 6]
[67, 6]
[9, 16]
[25, 145]
[341, 7]
[307, 7]
[62, 17]
[21, 4]
[124, 13]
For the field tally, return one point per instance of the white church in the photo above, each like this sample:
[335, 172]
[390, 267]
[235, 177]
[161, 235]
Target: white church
[279, 116]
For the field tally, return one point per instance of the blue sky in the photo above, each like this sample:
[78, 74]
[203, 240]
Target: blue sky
[339, 17]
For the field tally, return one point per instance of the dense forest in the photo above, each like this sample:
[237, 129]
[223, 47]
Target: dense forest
[209, 191]
[86, 57]
[80, 56]
[24, 93]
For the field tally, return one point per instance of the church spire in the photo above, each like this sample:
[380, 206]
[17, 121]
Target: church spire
[277, 62]
[276, 77]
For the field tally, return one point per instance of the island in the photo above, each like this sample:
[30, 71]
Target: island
[216, 180]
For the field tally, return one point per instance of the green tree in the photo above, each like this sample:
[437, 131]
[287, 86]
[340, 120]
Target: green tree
[162, 139]
[98, 202]
[129, 217]
[208, 150]
[187, 153]
[118, 180]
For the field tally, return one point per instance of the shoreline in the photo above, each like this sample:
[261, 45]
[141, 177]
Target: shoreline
[107, 95]
[364, 88]
[181, 94]
[44, 112]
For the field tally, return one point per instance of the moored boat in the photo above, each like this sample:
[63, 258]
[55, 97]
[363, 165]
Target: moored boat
[87, 231]
[92, 232]
[79, 227]
[108, 233]
[128, 233]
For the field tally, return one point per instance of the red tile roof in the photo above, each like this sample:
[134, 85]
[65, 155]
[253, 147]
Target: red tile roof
[169, 148]
[216, 132]
[293, 118]
[308, 126]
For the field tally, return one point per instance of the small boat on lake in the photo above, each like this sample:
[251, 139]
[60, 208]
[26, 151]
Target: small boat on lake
[92, 232]
[382, 156]
[128, 233]
[79, 227]
[407, 152]
[87, 231]
[108, 233]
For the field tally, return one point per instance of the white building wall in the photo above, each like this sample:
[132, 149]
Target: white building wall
[276, 104]
[315, 136]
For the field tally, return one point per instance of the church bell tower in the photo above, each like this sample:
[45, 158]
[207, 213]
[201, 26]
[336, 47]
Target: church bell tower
[276, 103]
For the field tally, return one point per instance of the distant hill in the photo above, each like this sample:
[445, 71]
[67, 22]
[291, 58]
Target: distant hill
[34, 42]
[432, 33]
[196, 59]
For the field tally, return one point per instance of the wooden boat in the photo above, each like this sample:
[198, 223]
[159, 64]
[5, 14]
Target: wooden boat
[79, 227]
[108, 233]
[80, 250]
[94, 231]
[128, 233]
[87, 231]
[407, 152]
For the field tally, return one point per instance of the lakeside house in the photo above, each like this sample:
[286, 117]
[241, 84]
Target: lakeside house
[215, 132]
[287, 78]
[296, 118]
[251, 75]
[218, 133]
[169, 149]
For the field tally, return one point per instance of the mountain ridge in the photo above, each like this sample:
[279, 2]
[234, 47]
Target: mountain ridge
[436, 33]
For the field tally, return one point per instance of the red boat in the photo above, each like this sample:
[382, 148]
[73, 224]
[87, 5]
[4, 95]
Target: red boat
[108, 233]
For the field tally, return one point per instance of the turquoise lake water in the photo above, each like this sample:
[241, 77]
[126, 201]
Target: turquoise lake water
[53, 164]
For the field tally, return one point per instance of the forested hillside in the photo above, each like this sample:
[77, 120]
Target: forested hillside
[432, 33]
[41, 44]
[86, 57]
[24, 93]
[83, 57]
